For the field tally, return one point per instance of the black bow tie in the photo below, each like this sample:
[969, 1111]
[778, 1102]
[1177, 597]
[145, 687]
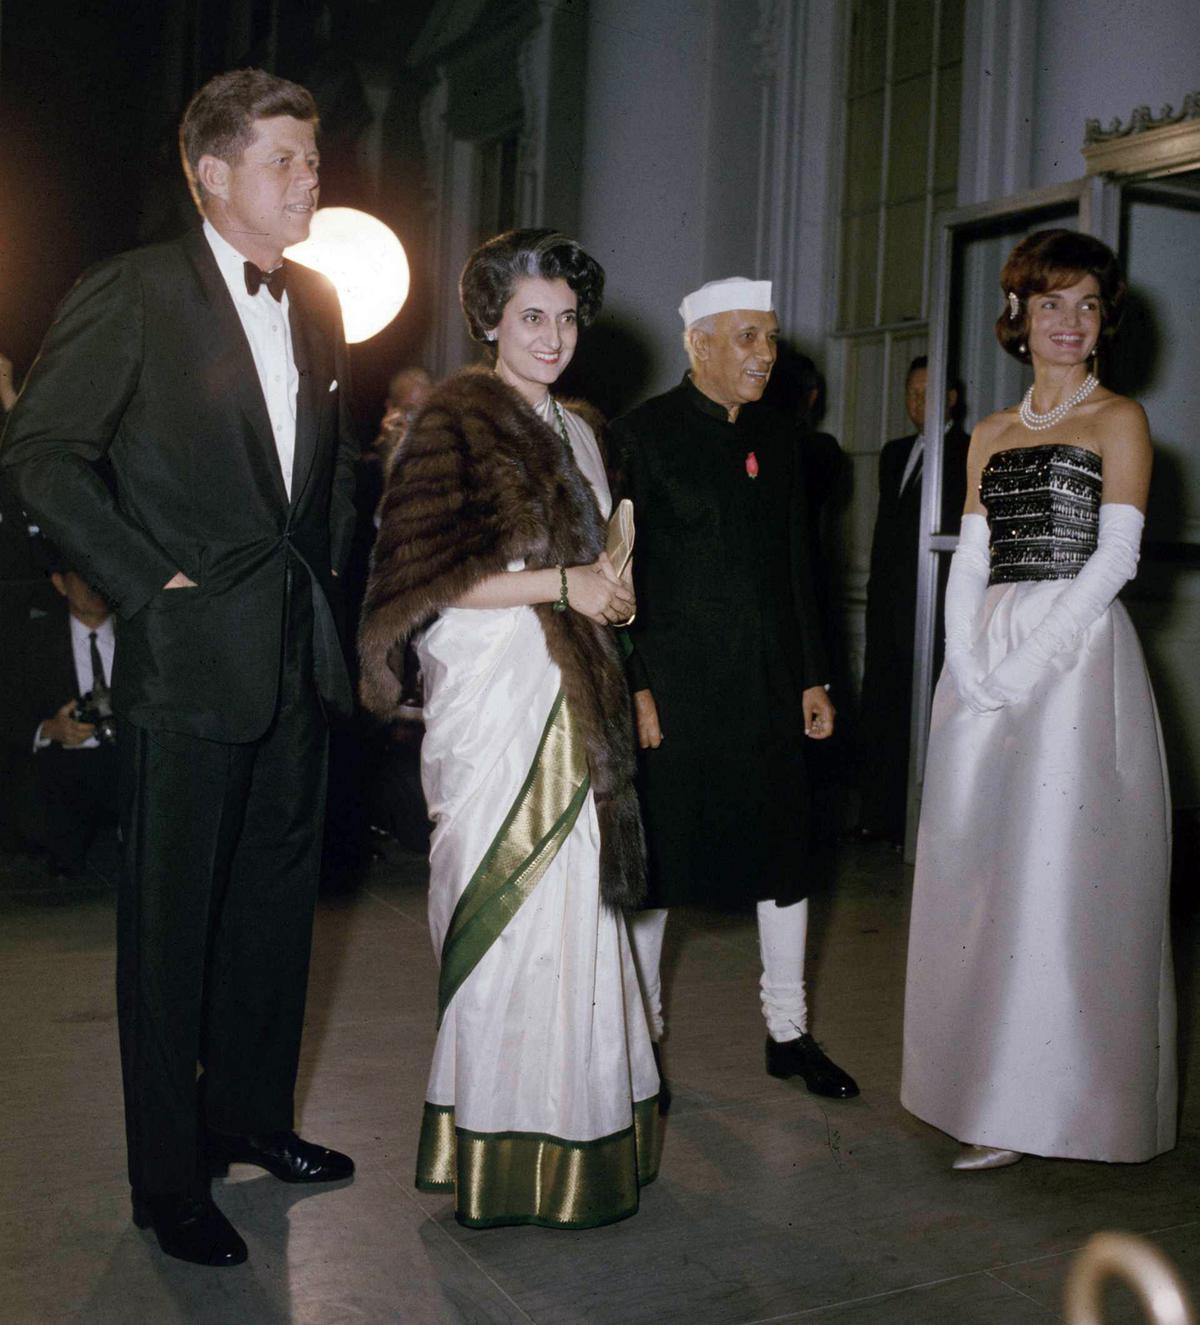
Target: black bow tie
[273, 280]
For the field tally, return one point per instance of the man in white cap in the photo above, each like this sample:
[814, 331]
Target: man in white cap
[728, 668]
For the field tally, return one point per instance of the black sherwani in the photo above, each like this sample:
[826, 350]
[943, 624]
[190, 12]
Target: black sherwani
[222, 689]
[726, 639]
[886, 710]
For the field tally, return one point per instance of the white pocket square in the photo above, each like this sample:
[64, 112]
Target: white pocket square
[333, 385]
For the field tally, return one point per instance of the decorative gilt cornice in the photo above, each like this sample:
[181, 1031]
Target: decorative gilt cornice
[1141, 121]
[1148, 145]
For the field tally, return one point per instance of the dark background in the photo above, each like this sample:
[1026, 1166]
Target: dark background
[91, 92]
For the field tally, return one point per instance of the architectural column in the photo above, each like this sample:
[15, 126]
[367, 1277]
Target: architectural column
[801, 45]
[995, 152]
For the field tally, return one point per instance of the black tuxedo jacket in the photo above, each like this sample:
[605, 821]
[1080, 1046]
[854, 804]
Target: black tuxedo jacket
[892, 588]
[147, 366]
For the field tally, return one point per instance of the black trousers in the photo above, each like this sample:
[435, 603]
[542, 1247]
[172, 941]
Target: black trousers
[75, 793]
[214, 924]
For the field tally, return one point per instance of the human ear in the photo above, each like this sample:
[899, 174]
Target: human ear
[213, 175]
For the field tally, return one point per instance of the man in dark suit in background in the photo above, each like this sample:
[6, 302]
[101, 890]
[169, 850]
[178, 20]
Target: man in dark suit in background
[211, 375]
[61, 770]
[886, 709]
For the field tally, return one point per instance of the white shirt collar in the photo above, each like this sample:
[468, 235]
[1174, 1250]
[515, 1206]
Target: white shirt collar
[230, 261]
[103, 630]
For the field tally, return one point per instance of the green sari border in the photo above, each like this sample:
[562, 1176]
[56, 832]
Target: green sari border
[540, 819]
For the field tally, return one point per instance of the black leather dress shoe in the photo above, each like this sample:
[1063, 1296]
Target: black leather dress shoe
[803, 1057]
[286, 1155]
[190, 1228]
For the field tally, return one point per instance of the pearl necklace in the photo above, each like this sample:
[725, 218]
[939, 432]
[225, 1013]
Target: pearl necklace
[1040, 422]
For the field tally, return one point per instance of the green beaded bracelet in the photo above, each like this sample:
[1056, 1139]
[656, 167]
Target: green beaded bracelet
[562, 604]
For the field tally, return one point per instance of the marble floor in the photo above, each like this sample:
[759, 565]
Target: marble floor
[772, 1205]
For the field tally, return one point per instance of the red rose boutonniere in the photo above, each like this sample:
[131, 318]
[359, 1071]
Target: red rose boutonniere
[751, 464]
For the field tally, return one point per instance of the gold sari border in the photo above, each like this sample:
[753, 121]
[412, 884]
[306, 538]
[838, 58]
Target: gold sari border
[535, 1178]
[538, 822]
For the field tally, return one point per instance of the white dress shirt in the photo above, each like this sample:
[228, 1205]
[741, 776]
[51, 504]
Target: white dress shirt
[81, 652]
[265, 320]
[914, 459]
[915, 456]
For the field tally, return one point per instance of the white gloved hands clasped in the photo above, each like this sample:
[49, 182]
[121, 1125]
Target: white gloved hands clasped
[1082, 601]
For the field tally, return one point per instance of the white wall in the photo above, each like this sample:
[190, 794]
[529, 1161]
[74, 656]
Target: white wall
[645, 174]
[1099, 59]
[1036, 70]
[710, 149]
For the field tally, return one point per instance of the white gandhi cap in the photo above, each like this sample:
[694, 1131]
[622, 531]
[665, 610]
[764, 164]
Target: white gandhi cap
[724, 296]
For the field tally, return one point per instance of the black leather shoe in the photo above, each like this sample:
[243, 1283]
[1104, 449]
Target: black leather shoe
[803, 1057]
[287, 1156]
[190, 1228]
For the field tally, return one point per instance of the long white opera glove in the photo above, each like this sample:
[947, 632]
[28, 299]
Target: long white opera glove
[970, 567]
[1082, 602]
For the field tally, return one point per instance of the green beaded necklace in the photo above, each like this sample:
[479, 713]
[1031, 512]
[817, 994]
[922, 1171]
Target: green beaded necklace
[562, 603]
[562, 423]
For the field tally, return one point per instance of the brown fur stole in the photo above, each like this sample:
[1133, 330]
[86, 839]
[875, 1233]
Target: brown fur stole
[479, 481]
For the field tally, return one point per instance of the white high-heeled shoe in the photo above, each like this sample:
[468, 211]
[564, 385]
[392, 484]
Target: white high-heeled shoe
[971, 1159]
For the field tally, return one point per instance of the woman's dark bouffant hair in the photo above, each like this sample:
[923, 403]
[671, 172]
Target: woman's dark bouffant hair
[487, 281]
[1051, 260]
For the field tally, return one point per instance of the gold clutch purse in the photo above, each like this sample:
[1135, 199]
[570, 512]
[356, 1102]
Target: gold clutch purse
[619, 543]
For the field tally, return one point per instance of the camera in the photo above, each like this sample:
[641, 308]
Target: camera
[96, 708]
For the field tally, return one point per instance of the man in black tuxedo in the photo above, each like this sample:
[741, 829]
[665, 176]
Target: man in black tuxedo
[61, 771]
[211, 375]
[892, 605]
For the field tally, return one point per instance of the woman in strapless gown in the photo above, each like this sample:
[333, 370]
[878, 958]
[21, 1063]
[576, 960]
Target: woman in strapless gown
[1040, 1006]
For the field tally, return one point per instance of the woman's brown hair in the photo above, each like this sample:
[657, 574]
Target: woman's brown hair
[1052, 260]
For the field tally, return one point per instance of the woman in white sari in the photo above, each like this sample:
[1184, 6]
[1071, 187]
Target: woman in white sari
[541, 1106]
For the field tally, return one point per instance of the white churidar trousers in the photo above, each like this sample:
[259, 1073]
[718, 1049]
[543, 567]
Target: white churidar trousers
[782, 938]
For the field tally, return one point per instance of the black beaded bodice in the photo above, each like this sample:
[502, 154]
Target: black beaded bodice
[1043, 505]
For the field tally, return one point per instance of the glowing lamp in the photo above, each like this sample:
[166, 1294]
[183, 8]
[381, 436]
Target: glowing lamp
[364, 260]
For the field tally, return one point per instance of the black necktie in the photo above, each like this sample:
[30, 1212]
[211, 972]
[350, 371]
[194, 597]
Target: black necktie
[273, 280]
[915, 473]
[97, 665]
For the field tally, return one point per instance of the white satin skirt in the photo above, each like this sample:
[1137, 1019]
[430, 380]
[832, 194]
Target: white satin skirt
[1040, 1002]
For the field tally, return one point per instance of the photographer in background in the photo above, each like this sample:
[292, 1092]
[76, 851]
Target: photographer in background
[58, 730]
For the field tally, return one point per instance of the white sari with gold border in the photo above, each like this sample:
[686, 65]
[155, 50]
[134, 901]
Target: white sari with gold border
[541, 1106]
